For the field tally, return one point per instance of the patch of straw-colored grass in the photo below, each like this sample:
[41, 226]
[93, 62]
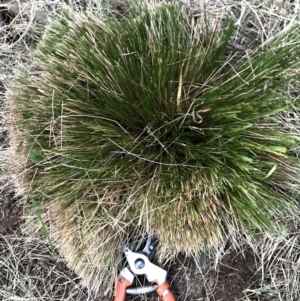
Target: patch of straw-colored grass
[28, 271]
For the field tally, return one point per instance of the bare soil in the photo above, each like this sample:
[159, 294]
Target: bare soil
[10, 212]
[234, 275]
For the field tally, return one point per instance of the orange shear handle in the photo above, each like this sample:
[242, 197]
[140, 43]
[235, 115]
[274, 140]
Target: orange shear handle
[121, 284]
[164, 293]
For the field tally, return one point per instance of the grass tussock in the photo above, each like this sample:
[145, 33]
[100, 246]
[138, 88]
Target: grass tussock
[152, 120]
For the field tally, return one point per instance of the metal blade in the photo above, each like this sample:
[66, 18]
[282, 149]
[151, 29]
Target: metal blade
[141, 290]
[150, 248]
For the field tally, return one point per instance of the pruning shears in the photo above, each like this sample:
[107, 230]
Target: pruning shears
[139, 263]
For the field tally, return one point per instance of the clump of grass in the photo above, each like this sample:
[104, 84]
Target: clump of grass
[150, 121]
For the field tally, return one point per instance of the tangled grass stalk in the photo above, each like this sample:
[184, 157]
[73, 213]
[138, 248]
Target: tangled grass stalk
[150, 121]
